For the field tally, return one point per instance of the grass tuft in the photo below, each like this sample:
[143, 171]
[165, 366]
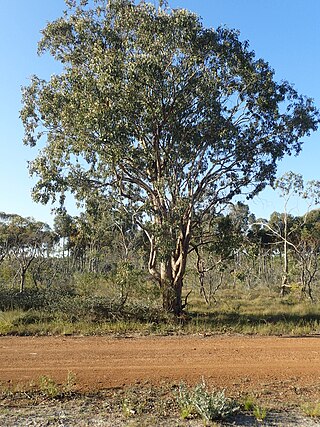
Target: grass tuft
[51, 389]
[311, 409]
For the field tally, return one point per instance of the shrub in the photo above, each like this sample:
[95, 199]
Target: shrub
[48, 387]
[210, 405]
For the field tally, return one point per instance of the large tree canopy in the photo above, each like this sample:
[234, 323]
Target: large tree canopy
[175, 117]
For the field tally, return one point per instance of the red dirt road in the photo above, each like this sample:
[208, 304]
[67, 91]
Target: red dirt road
[289, 367]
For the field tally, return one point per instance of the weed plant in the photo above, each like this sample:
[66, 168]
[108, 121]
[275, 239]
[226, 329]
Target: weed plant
[210, 405]
[311, 409]
[51, 389]
[48, 387]
[259, 412]
[248, 404]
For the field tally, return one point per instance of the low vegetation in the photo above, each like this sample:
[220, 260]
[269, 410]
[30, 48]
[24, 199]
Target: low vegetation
[46, 402]
[311, 409]
[210, 405]
[56, 311]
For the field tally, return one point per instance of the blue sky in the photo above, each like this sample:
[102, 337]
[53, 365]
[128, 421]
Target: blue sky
[286, 33]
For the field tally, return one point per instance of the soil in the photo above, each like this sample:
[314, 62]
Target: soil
[282, 372]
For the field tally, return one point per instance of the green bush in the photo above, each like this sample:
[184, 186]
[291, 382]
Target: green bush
[210, 405]
[70, 306]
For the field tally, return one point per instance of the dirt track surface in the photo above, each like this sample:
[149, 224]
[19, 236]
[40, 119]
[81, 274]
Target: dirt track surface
[289, 368]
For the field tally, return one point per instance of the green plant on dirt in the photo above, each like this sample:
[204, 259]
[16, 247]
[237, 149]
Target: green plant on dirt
[184, 399]
[9, 389]
[50, 388]
[210, 405]
[259, 412]
[248, 404]
[128, 408]
[311, 409]
[69, 383]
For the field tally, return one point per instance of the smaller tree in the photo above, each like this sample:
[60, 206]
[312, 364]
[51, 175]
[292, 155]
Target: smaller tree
[307, 250]
[289, 184]
[3, 236]
[26, 239]
[217, 243]
[288, 229]
[63, 226]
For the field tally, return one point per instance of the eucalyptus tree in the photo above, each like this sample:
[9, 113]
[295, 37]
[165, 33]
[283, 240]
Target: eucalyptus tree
[26, 240]
[63, 226]
[260, 247]
[217, 242]
[4, 244]
[177, 117]
[289, 184]
[308, 251]
[297, 235]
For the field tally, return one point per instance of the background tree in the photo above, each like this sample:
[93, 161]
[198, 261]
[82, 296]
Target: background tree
[296, 234]
[177, 117]
[63, 225]
[26, 240]
[218, 242]
[289, 184]
[260, 246]
[4, 244]
[307, 250]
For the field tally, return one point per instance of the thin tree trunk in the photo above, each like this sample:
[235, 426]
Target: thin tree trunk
[284, 284]
[22, 279]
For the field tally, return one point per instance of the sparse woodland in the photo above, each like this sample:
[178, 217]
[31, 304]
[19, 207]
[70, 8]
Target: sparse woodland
[100, 258]
[164, 122]
[158, 126]
[161, 131]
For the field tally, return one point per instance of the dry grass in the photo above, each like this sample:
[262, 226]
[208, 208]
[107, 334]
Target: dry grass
[259, 311]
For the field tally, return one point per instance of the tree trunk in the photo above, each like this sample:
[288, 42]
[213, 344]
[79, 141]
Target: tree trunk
[171, 290]
[284, 285]
[171, 269]
[22, 279]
